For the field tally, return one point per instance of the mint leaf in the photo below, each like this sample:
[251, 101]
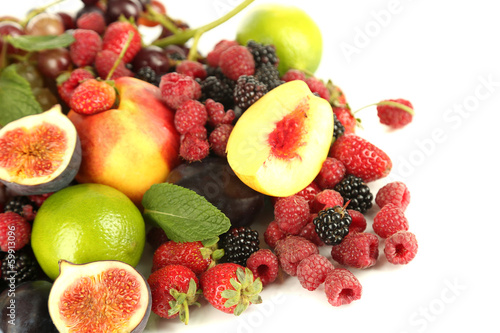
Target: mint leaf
[184, 215]
[16, 97]
[32, 43]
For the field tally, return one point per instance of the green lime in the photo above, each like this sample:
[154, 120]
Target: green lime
[292, 31]
[85, 223]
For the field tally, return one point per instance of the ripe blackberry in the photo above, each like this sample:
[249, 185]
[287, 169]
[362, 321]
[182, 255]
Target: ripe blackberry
[339, 129]
[23, 206]
[354, 190]
[148, 74]
[332, 224]
[263, 54]
[219, 89]
[269, 75]
[21, 265]
[238, 244]
[247, 91]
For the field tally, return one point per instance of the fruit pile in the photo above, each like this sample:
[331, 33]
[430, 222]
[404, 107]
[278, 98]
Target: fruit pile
[109, 143]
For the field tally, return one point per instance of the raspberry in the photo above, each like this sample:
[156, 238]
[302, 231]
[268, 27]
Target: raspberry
[188, 114]
[273, 234]
[177, 88]
[11, 222]
[396, 193]
[331, 173]
[389, 220]
[23, 206]
[332, 225]
[117, 35]
[358, 250]
[85, 47]
[309, 232]
[199, 131]
[394, 116]
[309, 192]
[92, 20]
[293, 74]
[236, 61]
[356, 192]
[264, 265]
[218, 139]
[342, 287]
[346, 118]
[312, 271]
[193, 148]
[39, 199]
[291, 250]
[214, 55]
[326, 199]
[104, 62]
[247, 91]
[361, 158]
[191, 68]
[216, 114]
[358, 223]
[291, 213]
[401, 248]
[238, 244]
[317, 86]
[67, 83]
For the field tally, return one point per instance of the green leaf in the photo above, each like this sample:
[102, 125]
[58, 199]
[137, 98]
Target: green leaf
[32, 43]
[184, 215]
[16, 97]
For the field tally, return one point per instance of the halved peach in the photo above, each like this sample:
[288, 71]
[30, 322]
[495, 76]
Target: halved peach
[278, 145]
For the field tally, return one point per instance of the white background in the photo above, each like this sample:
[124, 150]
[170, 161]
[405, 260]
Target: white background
[443, 56]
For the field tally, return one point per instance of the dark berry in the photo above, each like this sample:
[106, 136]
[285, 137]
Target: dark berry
[354, 190]
[23, 206]
[269, 75]
[263, 54]
[149, 75]
[339, 129]
[247, 91]
[21, 266]
[238, 244]
[332, 225]
[218, 89]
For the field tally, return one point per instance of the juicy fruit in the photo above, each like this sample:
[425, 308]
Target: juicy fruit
[112, 293]
[292, 31]
[84, 223]
[39, 153]
[279, 144]
[140, 129]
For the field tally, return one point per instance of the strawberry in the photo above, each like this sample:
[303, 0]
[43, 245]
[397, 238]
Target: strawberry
[68, 81]
[190, 254]
[116, 37]
[346, 117]
[361, 158]
[104, 63]
[92, 96]
[173, 290]
[230, 288]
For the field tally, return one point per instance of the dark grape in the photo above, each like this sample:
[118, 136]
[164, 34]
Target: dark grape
[127, 8]
[53, 62]
[151, 56]
[10, 28]
[68, 21]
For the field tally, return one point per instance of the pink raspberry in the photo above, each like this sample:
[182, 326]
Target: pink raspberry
[317, 86]
[92, 20]
[104, 62]
[85, 47]
[331, 173]
[326, 199]
[342, 287]
[309, 232]
[191, 68]
[198, 131]
[236, 61]
[358, 223]
[312, 271]
[188, 114]
[264, 264]
[218, 139]
[193, 149]
[393, 116]
[293, 74]
[214, 55]
[15, 231]
[401, 248]
[358, 250]
[389, 220]
[216, 114]
[291, 213]
[273, 234]
[309, 192]
[177, 88]
[39, 199]
[291, 250]
[396, 193]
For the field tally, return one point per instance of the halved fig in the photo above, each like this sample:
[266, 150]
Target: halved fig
[39, 153]
[100, 296]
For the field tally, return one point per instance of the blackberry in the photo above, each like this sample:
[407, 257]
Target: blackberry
[339, 129]
[263, 54]
[148, 74]
[247, 91]
[23, 206]
[220, 89]
[354, 190]
[21, 265]
[332, 225]
[269, 75]
[238, 244]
